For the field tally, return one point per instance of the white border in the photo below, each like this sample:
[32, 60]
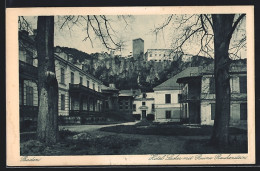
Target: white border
[12, 87]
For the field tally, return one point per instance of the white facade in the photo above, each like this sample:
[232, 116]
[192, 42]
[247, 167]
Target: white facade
[144, 104]
[238, 103]
[159, 55]
[164, 110]
[73, 74]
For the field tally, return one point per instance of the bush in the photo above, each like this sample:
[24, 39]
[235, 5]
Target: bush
[137, 116]
[64, 133]
[150, 117]
[28, 126]
[31, 147]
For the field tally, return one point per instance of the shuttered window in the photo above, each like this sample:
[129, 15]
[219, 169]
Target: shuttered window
[134, 107]
[62, 76]
[213, 111]
[243, 84]
[167, 98]
[243, 111]
[62, 100]
[29, 95]
[72, 78]
[168, 114]
[212, 85]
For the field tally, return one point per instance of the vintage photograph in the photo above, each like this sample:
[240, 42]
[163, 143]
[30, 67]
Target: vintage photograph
[155, 85]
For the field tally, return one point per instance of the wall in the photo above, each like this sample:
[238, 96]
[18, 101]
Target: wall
[161, 55]
[125, 108]
[234, 114]
[138, 47]
[236, 99]
[161, 107]
[66, 111]
[35, 92]
[148, 104]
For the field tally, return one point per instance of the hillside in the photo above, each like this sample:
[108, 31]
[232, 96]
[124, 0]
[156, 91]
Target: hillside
[129, 73]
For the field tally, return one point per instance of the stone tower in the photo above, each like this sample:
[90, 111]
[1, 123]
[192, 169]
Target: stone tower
[138, 47]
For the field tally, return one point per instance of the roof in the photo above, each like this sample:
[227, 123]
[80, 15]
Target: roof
[138, 39]
[171, 84]
[108, 88]
[131, 92]
[125, 95]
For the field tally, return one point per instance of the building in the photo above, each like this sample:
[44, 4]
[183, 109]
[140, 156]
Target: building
[138, 48]
[125, 100]
[159, 55]
[28, 75]
[143, 106]
[111, 93]
[79, 92]
[198, 95]
[167, 106]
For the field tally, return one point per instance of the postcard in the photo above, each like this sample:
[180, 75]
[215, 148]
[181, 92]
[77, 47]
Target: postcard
[111, 86]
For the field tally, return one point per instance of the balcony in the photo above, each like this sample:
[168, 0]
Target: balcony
[184, 98]
[79, 88]
[28, 71]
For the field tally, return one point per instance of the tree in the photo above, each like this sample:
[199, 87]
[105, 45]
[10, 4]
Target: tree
[47, 124]
[204, 28]
[223, 29]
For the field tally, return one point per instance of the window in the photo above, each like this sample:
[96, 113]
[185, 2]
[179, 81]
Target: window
[88, 83]
[62, 78]
[29, 95]
[213, 110]
[152, 107]
[72, 78]
[29, 57]
[144, 95]
[243, 111]
[168, 114]
[167, 98]
[179, 97]
[80, 80]
[134, 107]
[126, 105]
[212, 85]
[143, 103]
[62, 100]
[120, 105]
[94, 86]
[243, 84]
[155, 55]
[151, 55]
[159, 54]
[98, 88]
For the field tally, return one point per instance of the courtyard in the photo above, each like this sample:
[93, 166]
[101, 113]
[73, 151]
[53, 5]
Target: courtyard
[142, 137]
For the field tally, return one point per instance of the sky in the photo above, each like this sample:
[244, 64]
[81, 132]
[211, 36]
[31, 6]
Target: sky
[138, 26]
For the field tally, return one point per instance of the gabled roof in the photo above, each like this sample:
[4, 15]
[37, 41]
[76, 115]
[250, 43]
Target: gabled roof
[171, 84]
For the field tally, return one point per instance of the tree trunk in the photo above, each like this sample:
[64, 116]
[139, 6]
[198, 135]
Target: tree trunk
[222, 27]
[47, 127]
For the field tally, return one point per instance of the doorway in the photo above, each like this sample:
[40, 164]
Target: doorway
[143, 114]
